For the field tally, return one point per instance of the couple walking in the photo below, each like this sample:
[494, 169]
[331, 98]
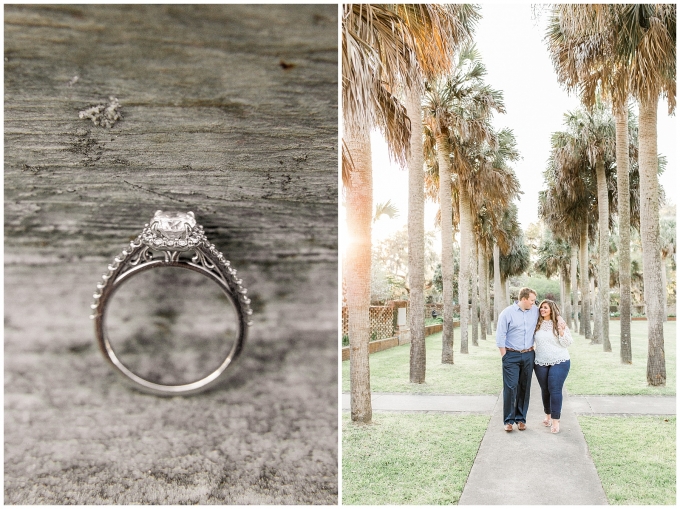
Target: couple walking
[532, 339]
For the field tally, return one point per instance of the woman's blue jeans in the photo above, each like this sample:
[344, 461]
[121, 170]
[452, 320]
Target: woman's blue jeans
[551, 379]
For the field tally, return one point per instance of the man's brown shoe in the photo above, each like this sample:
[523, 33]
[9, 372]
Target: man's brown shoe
[521, 426]
[508, 427]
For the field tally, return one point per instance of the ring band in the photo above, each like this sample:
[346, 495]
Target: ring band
[169, 240]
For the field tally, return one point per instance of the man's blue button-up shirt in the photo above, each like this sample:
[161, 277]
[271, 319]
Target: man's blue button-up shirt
[516, 327]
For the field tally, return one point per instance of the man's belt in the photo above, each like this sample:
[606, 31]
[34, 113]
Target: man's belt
[520, 351]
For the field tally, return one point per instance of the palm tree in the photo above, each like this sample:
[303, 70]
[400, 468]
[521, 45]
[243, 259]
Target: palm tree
[457, 115]
[510, 255]
[437, 31]
[492, 188]
[569, 202]
[515, 263]
[573, 295]
[499, 300]
[566, 206]
[586, 30]
[554, 257]
[482, 226]
[485, 326]
[590, 137]
[628, 208]
[377, 56]
[473, 173]
[437, 103]
[564, 221]
[630, 49]
[650, 46]
[474, 291]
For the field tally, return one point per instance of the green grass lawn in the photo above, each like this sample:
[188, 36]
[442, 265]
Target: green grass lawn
[634, 457]
[595, 372]
[479, 372]
[416, 459]
[475, 373]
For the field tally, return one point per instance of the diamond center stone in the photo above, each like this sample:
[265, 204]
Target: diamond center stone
[173, 225]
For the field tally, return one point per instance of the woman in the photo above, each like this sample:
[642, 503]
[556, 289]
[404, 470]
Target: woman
[552, 337]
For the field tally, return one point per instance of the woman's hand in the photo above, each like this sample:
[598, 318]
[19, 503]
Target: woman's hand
[561, 325]
[565, 339]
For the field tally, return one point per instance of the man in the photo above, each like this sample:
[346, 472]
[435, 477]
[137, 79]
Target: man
[515, 340]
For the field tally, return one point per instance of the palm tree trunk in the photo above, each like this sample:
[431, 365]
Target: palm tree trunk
[567, 296]
[564, 297]
[359, 216]
[447, 246]
[497, 287]
[595, 306]
[416, 239]
[649, 235]
[483, 292]
[603, 272]
[582, 310]
[623, 190]
[585, 294]
[597, 316]
[573, 297]
[474, 316]
[664, 289]
[464, 274]
[491, 309]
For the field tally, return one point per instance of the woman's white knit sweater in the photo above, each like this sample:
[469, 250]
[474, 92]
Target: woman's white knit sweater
[551, 349]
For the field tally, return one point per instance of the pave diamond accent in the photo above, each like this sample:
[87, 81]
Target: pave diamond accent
[173, 225]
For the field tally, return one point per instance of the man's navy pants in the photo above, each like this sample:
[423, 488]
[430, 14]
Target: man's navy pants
[517, 370]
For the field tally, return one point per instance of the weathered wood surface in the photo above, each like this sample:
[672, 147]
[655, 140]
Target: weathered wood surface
[229, 111]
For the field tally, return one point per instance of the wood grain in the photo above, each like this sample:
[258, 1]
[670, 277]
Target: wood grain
[229, 111]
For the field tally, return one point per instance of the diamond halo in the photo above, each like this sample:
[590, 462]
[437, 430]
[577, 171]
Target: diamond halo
[172, 230]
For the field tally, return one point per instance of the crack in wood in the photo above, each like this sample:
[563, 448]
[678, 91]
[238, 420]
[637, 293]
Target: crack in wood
[142, 188]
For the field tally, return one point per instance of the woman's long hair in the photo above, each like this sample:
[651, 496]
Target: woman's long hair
[554, 313]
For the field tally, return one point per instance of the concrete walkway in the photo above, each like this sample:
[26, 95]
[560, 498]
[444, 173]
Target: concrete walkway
[588, 405]
[531, 467]
[623, 405]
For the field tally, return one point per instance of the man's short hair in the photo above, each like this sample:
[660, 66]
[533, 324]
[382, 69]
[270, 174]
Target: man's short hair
[525, 292]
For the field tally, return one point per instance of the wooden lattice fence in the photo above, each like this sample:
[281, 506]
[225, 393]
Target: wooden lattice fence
[383, 320]
[345, 321]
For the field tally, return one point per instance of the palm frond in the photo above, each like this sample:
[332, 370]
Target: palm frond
[347, 166]
[387, 208]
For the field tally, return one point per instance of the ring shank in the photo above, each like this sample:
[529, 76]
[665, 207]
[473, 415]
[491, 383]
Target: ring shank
[133, 264]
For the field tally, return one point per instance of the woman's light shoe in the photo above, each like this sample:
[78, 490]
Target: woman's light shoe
[555, 428]
[547, 422]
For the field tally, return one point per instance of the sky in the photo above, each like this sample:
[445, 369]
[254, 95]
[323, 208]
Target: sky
[511, 44]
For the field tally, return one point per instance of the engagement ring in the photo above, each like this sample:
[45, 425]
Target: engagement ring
[171, 239]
